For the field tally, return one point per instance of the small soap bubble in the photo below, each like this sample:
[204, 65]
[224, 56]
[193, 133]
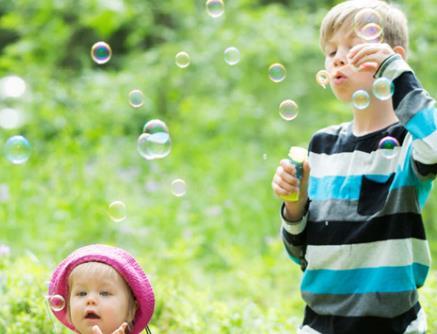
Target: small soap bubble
[215, 8]
[388, 146]
[322, 78]
[155, 126]
[101, 53]
[182, 59]
[360, 99]
[288, 110]
[232, 56]
[383, 88]
[368, 24]
[154, 146]
[136, 98]
[178, 187]
[56, 302]
[117, 211]
[17, 149]
[12, 86]
[277, 72]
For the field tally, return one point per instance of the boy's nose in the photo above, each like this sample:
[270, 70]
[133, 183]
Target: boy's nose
[339, 61]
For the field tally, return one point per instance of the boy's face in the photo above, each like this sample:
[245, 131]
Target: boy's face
[100, 299]
[344, 78]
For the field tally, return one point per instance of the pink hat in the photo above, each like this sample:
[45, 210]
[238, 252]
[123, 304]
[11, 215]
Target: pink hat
[125, 265]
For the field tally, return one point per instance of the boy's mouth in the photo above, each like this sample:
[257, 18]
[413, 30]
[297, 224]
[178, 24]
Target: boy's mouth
[339, 78]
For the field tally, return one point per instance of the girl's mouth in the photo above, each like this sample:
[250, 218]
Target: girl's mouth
[92, 315]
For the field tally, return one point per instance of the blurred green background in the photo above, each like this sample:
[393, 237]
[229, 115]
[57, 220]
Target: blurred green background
[214, 256]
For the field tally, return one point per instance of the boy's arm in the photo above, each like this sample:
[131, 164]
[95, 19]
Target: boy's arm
[416, 110]
[293, 213]
[293, 237]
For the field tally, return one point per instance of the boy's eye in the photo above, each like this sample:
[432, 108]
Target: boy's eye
[332, 53]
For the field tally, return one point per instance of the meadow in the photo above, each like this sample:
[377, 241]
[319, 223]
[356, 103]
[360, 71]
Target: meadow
[214, 255]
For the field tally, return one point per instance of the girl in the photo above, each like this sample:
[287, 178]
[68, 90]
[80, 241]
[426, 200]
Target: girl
[105, 290]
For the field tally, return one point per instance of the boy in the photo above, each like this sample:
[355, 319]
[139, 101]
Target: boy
[357, 229]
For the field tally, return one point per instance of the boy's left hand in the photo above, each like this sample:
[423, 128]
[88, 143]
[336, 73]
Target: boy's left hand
[368, 56]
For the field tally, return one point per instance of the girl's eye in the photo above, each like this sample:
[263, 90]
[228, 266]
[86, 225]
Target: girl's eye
[105, 293]
[81, 294]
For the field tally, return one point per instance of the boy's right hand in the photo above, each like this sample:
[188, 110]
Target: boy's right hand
[285, 182]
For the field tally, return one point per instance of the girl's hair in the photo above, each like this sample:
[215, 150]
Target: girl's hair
[102, 269]
[395, 25]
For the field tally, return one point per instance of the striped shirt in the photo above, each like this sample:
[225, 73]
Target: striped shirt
[362, 244]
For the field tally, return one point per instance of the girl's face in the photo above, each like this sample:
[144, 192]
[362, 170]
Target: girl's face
[98, 297]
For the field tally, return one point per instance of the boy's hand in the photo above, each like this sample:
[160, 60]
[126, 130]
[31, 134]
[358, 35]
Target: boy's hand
[285, 182]
[368, 56]
[120, 330]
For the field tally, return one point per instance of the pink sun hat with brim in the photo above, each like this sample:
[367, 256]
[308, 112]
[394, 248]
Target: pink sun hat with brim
[123, 263]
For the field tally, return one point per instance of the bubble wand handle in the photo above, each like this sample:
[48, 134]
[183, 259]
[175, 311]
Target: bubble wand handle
[296, 156]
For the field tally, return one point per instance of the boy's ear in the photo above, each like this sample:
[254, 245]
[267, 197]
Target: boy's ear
[400, 51]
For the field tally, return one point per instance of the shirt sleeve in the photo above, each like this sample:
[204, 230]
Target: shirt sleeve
[416, 110]
[293, 237]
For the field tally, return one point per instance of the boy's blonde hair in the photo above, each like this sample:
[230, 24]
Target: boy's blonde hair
[395, 25]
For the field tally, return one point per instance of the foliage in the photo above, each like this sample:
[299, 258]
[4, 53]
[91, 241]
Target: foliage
[214, 255]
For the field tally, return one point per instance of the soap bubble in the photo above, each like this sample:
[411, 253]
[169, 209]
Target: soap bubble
[101, 53]
[232, 55]
[182, 59]
[368, 24]
[56, 302]
[155, 126]
[322, 78]
[277, 72]
[215, 8]
[154, 146]
[117, 211]
[178, 187]
[388, 146]
[288, 110]
[383, 88]
[17, 149]
[136, 98]
[360, 99]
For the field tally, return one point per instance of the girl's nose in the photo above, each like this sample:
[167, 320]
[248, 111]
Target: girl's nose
[91, 300]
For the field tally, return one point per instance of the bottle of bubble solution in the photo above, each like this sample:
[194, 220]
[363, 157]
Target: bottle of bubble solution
[297, 155]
